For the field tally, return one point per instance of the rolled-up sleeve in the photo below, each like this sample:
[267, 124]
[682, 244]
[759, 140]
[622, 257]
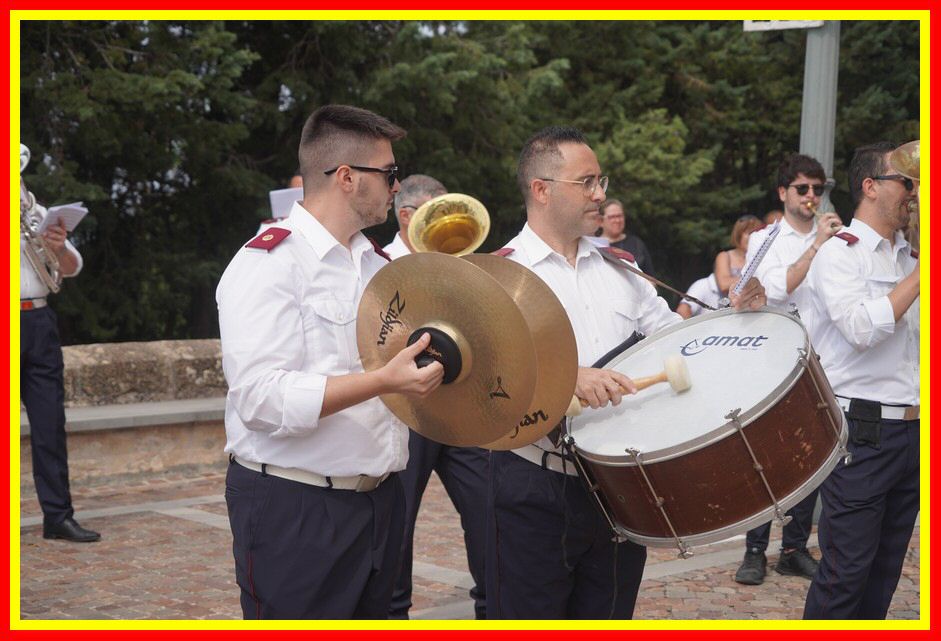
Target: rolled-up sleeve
[844, 295]
[264, 350]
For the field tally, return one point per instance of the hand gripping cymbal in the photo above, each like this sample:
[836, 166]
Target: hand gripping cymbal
[554, 341]
[478, 334]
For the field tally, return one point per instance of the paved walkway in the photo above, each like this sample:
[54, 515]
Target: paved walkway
[166, 553]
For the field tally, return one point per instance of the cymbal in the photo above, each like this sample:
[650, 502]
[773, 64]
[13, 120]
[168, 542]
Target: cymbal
[556, 351]
[477, 332]
[906, 159]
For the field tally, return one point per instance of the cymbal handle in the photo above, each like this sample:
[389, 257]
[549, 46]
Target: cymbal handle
[424, 360]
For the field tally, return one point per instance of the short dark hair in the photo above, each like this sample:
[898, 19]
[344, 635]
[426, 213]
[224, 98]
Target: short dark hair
[541, 152]
[338, 134]
[799, 164]
[867, 162]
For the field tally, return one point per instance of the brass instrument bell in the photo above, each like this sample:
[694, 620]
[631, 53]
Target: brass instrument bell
[454, 224]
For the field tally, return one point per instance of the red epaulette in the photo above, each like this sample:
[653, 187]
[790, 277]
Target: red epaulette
[848, 237]
[617, 252]
[269, 238]
[503, 252]
[914, 253]
[379, 250]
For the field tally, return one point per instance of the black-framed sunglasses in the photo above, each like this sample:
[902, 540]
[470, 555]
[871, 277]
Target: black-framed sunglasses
[907, 182]
[392, 173]
[803, 188]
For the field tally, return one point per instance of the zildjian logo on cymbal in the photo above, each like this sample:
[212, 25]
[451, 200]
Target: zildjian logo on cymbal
[390, 319]
[529, 420]
[431, 351]
[499, 391]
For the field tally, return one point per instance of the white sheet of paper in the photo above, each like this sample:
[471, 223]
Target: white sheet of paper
[70, 214]
[283, 199]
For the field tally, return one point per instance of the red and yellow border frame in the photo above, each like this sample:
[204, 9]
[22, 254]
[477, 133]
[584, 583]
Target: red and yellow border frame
[18, 11]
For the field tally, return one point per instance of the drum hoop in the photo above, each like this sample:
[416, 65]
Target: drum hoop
[722, 431]
[764, 516]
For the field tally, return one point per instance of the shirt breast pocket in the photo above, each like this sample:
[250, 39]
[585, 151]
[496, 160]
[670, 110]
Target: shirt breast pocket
[329, 326]
[626, 314]
[881, 284]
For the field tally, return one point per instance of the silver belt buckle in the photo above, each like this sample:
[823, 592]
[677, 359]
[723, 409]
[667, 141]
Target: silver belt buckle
[369, 483]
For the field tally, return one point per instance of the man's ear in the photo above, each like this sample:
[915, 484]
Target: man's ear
[405, 217]
[344, 178]
[868, 188]
[782, 193]
[539, 190]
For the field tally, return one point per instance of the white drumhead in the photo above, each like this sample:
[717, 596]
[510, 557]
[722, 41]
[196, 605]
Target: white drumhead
[742, 360]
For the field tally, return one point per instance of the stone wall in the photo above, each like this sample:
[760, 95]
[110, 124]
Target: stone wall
[118, 373]
[111, 374]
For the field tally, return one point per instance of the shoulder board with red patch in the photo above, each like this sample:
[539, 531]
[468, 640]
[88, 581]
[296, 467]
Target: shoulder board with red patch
[269, 238]
[848, 237]
[617, 252]
[379, 250]
[503, 252]
[914, 253]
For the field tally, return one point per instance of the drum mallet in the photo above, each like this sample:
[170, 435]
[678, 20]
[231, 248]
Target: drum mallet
[675, 372]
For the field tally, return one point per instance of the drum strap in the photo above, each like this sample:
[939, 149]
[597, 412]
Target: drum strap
[614, 260]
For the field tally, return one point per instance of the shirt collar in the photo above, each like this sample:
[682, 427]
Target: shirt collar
[870, 238]
[537, 249]
[787, 228]
[321, 240]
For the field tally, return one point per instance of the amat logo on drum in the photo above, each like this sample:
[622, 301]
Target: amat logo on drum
[696, 346]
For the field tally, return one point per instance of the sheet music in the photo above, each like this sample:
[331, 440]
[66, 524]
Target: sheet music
[751, 267]
[70, 214]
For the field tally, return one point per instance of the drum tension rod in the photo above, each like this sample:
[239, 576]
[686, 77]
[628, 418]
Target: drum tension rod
[803, 359]
[779, 514]
[685, 552]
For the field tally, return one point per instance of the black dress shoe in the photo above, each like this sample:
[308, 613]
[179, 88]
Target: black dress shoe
[69, 530]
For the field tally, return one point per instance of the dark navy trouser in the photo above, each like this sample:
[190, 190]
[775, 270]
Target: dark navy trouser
[43, 394]
[869, 512]
[463, 472]
[550, 553]
[306, 552]
[794, 535]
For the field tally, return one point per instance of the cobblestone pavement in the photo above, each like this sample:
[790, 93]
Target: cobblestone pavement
[166, 553]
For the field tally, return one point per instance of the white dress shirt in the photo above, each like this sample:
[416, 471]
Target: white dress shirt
[604, 303]
[705, 289]
[397, 248]
[865, 353]
[30, 284]
[789, 245]
[287, 320]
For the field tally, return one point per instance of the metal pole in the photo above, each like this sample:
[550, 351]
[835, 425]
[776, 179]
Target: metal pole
[818, 109]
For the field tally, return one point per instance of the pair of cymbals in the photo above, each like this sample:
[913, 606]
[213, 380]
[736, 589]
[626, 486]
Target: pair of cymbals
[505, 341]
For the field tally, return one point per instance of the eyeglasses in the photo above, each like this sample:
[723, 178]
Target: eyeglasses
[906, 182]
[803, 188]
[392, 173]
[588, 184]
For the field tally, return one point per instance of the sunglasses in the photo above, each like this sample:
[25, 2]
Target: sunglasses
[803, 188]
[392, 173]
[908, 183]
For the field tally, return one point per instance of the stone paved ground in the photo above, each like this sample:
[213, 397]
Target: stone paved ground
[165, 553]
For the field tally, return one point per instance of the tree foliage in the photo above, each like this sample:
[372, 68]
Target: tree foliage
[173, 132]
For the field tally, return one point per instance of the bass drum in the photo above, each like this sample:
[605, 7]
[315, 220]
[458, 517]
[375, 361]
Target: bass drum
[758, 430]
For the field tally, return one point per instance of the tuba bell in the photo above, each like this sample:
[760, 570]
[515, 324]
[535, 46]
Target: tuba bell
[455, 224]
[906, 160]
[43, 261]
